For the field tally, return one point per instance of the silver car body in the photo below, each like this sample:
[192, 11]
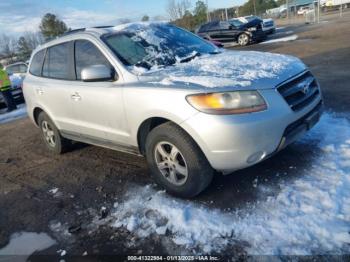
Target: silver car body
[111, 114]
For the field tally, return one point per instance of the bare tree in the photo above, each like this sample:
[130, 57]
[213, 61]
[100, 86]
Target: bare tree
[7, 46]
[177, 9]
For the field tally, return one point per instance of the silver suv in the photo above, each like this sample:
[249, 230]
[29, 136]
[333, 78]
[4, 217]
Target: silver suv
[159, 91]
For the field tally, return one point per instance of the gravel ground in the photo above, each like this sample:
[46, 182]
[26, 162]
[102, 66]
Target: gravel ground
[74, 197]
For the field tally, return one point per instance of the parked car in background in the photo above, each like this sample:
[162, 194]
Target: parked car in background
[17, 73]
[157, 90]
[303, 10]
[268, 25]
[232, 31]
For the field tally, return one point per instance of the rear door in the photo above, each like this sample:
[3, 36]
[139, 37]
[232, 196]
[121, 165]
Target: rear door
[223, 32]
[99, 105]
[54, 88]
[228, 32]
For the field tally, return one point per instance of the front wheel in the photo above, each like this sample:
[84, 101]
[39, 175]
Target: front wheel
[243, 39]
[176, 162]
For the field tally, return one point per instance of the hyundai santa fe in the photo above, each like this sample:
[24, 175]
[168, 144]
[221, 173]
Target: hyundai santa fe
[159, 91]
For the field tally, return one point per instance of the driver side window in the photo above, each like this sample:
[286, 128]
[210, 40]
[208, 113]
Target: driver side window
[87, 54]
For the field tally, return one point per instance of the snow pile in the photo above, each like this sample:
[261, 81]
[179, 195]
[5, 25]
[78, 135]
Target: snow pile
[308, 216]
[282, 39]
[229, 68]
[20, 112]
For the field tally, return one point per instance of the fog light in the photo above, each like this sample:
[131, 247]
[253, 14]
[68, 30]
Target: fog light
[256, 157]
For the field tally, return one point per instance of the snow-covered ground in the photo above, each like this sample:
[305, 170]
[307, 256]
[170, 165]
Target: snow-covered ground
[281, 39]
[310, 215]
[11, 116]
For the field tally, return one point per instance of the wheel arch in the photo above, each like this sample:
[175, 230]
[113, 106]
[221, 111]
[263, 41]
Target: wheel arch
[149, 124]
[145, 128]
[36, 112]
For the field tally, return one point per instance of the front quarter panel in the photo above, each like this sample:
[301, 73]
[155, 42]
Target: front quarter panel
[142, 103]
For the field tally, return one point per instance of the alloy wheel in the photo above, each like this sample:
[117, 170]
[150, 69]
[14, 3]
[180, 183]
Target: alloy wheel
[171, 163]
[243, 39]
[48, 133]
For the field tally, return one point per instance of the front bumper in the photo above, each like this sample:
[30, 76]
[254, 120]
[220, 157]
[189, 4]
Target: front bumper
[233, 142]
[258, 35]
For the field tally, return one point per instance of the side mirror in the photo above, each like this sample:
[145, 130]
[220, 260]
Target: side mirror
[97, 73]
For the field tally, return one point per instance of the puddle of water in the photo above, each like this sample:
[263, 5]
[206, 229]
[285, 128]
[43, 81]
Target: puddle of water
[24, 244]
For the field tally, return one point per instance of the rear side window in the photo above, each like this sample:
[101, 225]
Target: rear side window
[87, 54]
[37, 63]
[57, 61]
[224, 25]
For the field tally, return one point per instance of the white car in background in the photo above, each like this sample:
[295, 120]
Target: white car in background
[303, 10]
[268, 25]
[17, 73]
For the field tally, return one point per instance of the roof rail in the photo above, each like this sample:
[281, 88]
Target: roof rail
[103, 26]
[74, 31]
[84, 29]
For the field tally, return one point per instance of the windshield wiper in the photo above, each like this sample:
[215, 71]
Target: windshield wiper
[190, 57]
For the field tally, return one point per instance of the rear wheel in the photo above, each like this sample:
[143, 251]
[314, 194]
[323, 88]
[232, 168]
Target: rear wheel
[51, 135]
[176, 162]
[243, 39]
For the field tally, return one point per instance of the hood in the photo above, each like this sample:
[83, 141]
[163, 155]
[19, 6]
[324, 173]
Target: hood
[254, 23]
[229, 69]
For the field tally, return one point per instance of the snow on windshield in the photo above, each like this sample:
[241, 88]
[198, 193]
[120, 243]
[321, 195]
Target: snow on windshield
[154, 45]
[229, 68]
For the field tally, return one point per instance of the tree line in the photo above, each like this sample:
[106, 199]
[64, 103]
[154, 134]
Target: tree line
[19, 49]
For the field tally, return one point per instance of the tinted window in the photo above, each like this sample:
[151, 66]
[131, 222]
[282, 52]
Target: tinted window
[22, 68]
[224, 25]
[56, 63]
[235, 23]
[37, 63]
[12, 69]
[87, 54]
[214, 25]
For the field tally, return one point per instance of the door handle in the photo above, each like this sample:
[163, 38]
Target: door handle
[39, 91]
[75, 97]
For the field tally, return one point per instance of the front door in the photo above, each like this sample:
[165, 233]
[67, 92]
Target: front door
[98, 105]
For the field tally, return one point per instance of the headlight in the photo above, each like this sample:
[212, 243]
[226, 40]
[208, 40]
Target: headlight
[252, 29]
[237, 102]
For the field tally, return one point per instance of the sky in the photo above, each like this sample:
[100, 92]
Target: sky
[20, 16]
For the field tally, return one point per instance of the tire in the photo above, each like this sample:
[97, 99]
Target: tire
[185, 173]
[243, 39]
[56, 143]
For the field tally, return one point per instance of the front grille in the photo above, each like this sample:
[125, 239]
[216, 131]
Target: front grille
[301, 121]
[299, 92]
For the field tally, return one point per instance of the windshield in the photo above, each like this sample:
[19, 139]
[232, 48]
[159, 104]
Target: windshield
[235, 22]
[251, 18]
[156, 45]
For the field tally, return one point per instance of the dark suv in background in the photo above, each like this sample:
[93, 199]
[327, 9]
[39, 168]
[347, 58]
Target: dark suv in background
[232, 31]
